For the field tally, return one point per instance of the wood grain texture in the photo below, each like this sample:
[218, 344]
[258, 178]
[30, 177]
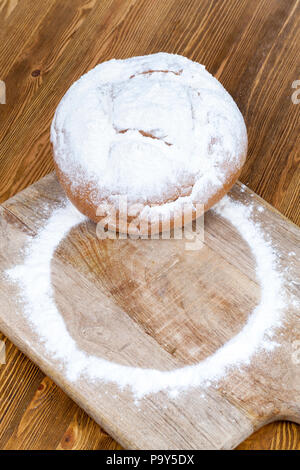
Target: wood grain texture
[250, 45]
[136, 303]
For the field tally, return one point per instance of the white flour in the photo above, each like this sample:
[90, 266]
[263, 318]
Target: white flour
[154, 137]
[34, 279]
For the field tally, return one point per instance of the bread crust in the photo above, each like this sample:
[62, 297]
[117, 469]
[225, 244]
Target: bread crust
[81, 199]
[181, 201]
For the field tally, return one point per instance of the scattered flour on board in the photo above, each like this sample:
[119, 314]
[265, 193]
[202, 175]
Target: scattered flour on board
[34, 280]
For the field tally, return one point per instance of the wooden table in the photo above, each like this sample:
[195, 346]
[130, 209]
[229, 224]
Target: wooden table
[251, 46]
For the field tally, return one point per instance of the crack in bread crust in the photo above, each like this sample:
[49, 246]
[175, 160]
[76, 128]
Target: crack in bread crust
[150, 72]
[143, 133]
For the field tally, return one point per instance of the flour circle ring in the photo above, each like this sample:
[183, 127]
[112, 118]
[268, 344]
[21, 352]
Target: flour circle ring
[51, 329]
[158, 130]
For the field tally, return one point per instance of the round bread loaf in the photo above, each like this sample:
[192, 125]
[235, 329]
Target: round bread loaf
[147, 143]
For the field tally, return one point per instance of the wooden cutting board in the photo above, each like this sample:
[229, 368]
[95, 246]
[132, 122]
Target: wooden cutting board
[154, 304]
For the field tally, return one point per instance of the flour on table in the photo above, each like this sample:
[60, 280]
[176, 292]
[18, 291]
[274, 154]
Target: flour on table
[40, 309]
